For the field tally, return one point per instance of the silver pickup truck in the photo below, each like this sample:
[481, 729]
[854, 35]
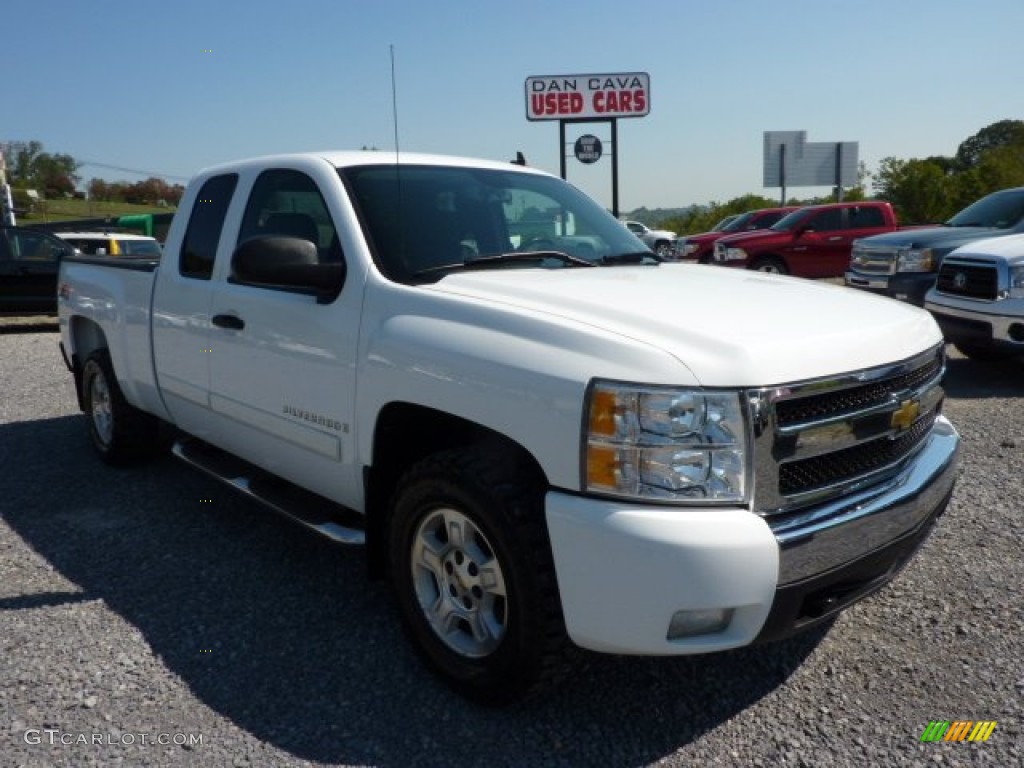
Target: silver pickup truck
[978, 299]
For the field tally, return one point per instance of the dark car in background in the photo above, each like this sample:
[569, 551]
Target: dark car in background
[28, 270]
[903, 265]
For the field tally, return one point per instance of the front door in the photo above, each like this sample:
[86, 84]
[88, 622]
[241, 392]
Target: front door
[28, 269]
[282, 364]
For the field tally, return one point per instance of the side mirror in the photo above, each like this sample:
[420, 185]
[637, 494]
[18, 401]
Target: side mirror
[287, 263]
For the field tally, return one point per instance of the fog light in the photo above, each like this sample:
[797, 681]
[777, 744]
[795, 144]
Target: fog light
[700, 622]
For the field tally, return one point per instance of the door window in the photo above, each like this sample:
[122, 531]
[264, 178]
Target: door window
[34, 246]
[827, 220]
[288, 203]
[864, 217]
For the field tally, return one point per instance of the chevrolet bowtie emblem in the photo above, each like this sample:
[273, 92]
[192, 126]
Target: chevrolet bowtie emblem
[904, 416]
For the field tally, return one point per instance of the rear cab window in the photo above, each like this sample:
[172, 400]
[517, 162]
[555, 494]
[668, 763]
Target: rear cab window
[199, 247]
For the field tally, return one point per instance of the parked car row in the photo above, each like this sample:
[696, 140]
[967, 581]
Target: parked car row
[700, 247]
[969, 271]
[29, 260]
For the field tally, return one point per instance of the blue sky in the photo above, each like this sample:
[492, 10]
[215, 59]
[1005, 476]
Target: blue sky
[172, 87]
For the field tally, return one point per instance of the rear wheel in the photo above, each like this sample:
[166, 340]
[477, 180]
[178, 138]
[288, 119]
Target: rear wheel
[120, 432]
[770, 264]
[474, 578]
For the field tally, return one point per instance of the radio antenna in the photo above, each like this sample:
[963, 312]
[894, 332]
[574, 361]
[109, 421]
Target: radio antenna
[394, 100]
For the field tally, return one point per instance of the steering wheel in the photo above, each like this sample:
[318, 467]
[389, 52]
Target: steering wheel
[537, 244]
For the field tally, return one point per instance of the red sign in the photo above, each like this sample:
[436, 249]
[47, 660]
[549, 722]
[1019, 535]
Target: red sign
[568, 97]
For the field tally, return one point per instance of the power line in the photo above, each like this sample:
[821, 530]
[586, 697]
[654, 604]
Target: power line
[132, 170]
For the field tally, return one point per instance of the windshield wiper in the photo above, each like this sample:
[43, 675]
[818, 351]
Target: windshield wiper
[497, 259]
[630, 258]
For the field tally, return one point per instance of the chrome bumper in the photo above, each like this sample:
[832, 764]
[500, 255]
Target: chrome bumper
[1012, 313]
[832, 535]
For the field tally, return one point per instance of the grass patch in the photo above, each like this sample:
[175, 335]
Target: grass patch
[64, 210]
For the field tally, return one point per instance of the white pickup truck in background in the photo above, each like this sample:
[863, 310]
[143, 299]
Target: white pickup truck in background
[661, 241]
[542, 434]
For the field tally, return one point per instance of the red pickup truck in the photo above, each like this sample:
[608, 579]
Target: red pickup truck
[701, 247]
[810, 242]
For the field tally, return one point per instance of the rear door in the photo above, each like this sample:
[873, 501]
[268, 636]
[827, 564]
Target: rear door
[181, 307]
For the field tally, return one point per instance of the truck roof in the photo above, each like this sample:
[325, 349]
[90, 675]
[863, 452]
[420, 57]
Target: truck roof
[349, 158]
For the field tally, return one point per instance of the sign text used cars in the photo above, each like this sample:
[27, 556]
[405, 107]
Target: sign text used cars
[565, 97]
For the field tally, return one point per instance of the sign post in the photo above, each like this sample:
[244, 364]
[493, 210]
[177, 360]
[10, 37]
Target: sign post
[600, 98]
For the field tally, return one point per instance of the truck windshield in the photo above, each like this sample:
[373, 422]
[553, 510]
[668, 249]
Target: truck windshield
[791, 221]
[1000, 210]
[422, 221]
[737, 223]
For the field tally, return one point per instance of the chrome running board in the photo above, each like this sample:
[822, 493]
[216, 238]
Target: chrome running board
[332, 520]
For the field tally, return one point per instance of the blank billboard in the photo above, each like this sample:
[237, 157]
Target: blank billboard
[808, 164]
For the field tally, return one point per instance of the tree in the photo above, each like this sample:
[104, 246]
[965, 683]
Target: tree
[703, 218]
[919, 190]
[1000, 134]
[32, 168]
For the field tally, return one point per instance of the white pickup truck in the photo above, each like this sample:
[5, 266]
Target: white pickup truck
[542, 434]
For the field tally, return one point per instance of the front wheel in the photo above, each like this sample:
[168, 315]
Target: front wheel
[120, 432]
[664, 249]
[770, 264]
[474, 578]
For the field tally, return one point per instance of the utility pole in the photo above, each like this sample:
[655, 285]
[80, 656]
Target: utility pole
[6, 203]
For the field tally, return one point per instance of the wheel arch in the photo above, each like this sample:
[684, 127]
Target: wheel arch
[406, 433]
[770, 256]
[86, 337]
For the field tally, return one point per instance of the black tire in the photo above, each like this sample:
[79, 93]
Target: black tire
[983, 353]
[664, 249]
[483, 611]
[770, 264]
[121, 433]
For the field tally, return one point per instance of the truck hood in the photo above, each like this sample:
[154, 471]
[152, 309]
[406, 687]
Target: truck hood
[930, 237]
[756, 238]
[704, 237]
[728, 327]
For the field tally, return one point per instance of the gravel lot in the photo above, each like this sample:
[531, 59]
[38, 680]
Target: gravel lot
[155, 601]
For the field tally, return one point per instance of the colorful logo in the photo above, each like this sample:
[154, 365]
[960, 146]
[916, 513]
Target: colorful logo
[958, 730]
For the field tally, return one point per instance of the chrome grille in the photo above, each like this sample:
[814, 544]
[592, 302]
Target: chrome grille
[797, 477]
[873, 259]
[820, 439]
[815, 407]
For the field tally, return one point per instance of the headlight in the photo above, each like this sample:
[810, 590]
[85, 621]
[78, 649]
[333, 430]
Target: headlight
[1017, 282]
[735, 254]
[915, 260]
[669, 444]
[688, 248]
